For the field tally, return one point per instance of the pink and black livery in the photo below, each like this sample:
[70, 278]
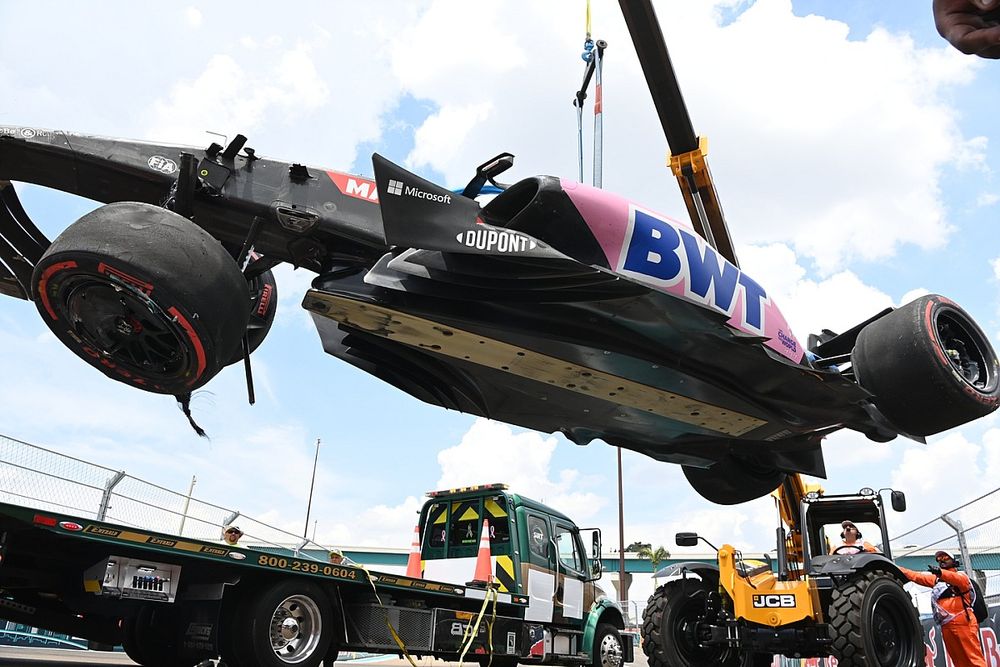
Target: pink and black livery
[555, 306]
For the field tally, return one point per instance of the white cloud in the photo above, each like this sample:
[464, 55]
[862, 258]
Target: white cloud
[987, 199]
[193, 17]
[492, 452]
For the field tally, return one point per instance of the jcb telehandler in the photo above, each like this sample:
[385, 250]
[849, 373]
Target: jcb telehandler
[843, 602]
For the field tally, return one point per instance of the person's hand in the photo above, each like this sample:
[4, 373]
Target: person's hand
[972, 26]
[935, 570]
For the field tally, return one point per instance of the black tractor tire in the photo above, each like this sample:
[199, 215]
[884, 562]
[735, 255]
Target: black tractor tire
[733, 480]
[668, 638]
[874, 623]
[287, 623]
[145, 296]
[608, 649]
[929, 366]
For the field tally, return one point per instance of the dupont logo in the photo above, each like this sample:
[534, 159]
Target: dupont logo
[499, 240]
[71, 526]
[395, 188]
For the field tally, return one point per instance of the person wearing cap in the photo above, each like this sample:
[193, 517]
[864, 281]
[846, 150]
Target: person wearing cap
[337, 557]
[851, 536]
[971, 26]
[231, 535]
[959, 628]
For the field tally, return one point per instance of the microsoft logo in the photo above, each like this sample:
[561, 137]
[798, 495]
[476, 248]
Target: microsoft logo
[395, 187]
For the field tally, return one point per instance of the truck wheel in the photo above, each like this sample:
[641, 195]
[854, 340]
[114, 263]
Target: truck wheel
[733, 480]
[150, 641]
[669, 627]
[608, 650]
[874, 623]
[929, 366]
[145, 296]
[287, 624]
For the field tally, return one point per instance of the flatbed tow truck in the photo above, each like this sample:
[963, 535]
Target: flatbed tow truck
[173, 601]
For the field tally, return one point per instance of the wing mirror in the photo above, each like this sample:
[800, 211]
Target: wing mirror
[686, 539]
[898, 500]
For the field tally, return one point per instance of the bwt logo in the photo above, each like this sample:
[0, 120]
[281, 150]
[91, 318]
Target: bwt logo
[395, 188]
[770, 601]
[663, 255]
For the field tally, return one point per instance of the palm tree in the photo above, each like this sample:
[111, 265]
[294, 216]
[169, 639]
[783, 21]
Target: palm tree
[655, 556]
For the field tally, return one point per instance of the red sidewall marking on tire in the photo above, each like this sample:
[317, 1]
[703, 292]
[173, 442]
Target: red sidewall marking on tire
[933, 333]
[199, 349]
[44, 281]
[107, 270]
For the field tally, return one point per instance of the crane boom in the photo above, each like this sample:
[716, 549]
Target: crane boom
[688, 159]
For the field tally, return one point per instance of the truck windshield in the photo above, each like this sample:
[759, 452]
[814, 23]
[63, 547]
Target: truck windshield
[452, 527]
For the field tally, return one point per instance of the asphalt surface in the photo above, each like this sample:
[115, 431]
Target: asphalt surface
[46, 657]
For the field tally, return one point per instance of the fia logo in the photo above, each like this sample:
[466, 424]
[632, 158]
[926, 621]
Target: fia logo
[770, 601]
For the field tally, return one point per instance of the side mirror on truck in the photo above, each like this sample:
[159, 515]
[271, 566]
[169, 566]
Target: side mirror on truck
[898, 500]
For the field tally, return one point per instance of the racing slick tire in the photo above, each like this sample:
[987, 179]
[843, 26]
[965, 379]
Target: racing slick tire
[263, 306]
[734, 480]
[608, 649]
[874, 623]
[287, 623]
[929, 366]
[669, 636]
[145, 296]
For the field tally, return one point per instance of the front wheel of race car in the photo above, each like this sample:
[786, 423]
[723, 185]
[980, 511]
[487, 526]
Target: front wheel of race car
[929, 366]
[145, 296]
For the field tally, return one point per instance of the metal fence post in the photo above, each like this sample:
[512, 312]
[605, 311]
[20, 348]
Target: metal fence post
[963, 548]
[102, 511]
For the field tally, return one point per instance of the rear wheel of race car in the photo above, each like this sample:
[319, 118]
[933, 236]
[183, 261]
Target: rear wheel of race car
[670, 630]
[929, 366]
[874, 623]
[145, 296]
[733, 480]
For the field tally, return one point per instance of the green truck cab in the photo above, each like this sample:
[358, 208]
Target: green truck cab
[537, 552]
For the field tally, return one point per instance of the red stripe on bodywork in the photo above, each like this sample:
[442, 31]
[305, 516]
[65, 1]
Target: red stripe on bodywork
[44, 281]
[198, 348]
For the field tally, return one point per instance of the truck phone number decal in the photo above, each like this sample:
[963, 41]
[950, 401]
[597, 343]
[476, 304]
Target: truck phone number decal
[309, 568]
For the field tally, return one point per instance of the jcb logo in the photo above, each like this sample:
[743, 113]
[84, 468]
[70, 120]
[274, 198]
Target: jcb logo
[785, 600]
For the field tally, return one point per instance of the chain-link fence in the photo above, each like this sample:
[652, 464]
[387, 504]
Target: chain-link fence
[970, 532]
[44, 479]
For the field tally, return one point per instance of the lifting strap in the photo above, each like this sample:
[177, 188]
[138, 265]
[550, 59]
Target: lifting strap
[593, 57]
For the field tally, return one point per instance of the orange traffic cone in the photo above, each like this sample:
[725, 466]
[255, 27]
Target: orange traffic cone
[414, 568]
[484, 566]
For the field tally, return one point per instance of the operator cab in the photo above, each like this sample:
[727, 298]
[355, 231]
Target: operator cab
[823, 516]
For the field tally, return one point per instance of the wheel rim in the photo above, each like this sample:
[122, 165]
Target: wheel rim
[966, 351]
[685, 633]
[296, 627]
[889, 621]
[610, 651]
[125, 327]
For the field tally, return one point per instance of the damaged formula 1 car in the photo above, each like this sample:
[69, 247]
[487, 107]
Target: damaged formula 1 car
[556, 306]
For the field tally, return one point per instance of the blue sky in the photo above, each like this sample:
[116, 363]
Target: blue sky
[855, 154]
